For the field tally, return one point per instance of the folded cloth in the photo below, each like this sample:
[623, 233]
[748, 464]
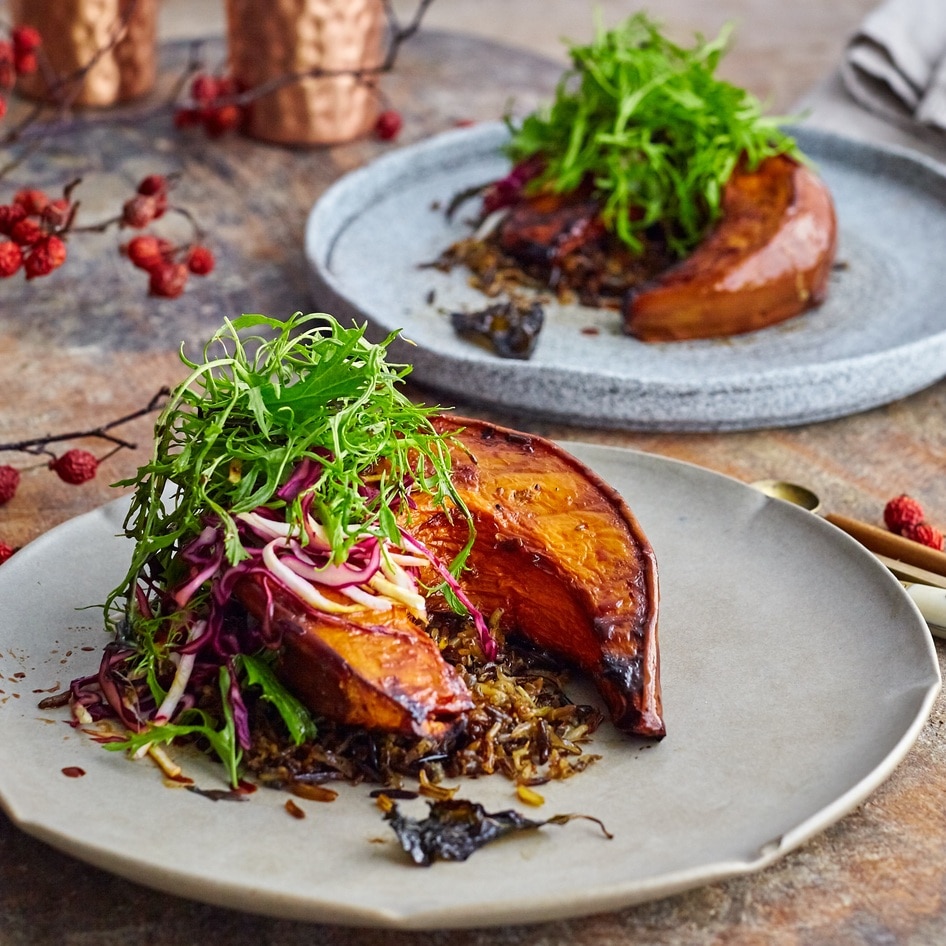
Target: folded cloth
[895, 64]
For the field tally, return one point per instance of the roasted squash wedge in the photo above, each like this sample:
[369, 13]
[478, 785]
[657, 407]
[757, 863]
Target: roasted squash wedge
[378, 670]
[560, 556]
[766, 260]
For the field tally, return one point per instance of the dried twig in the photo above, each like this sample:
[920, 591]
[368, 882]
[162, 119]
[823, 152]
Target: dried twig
[37, 446]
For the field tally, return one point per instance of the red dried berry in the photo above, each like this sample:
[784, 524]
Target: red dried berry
[75, 466]
[925, 534]
[27, 232]
[11, 258]
[5, 551]
[26, 39]
[204, 88]
[9, 481]
[218, 121]
[7, 69]
[10, 216]
[25, 63]
[388, 125]
[147, 251]
[903, 511]
[153, 184]
[33, 201]
[140, 210]
[44, 257]
[3, 106]
[168, 280]
[201, 261]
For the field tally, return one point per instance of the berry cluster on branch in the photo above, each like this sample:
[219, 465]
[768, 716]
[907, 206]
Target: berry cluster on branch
[218, 103]
[74, 466]
[35, 228]
[17, 58]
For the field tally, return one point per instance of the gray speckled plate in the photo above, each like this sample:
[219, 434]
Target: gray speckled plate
[880, 336]
[796, 675]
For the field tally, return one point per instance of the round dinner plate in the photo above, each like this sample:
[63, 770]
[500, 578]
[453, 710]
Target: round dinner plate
[879, 336]
[796, 676]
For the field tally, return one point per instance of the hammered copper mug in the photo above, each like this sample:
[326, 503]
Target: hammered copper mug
[279, 43]
[94, 52]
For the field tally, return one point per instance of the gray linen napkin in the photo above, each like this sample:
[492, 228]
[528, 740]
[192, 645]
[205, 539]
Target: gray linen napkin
[895, 64]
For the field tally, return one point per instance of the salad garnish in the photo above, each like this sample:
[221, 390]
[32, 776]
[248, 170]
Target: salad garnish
[649, 128]
[290, 450]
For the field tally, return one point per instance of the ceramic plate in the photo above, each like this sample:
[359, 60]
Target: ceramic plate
[880, 335]
[796, 675]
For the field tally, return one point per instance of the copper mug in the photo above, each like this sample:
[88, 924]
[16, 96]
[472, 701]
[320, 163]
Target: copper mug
[278, 43]
[94, 52]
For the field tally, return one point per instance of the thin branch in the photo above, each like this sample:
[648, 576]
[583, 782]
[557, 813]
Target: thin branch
[37, 445]
[401, 34]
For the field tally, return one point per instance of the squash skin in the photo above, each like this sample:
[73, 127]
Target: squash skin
[768, 259]
[560, 554]
[377, 670]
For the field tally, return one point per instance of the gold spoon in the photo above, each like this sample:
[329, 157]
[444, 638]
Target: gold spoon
[921, 570]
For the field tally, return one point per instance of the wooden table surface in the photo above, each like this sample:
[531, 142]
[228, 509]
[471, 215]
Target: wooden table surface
[87, 345]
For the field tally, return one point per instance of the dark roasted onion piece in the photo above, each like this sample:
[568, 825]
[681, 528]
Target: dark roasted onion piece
[511, 329]
[455, 828]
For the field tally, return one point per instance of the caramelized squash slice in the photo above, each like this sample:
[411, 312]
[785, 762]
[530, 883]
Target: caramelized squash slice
[560, 555]
[375, 669]
[767, 259]
[557, 553]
